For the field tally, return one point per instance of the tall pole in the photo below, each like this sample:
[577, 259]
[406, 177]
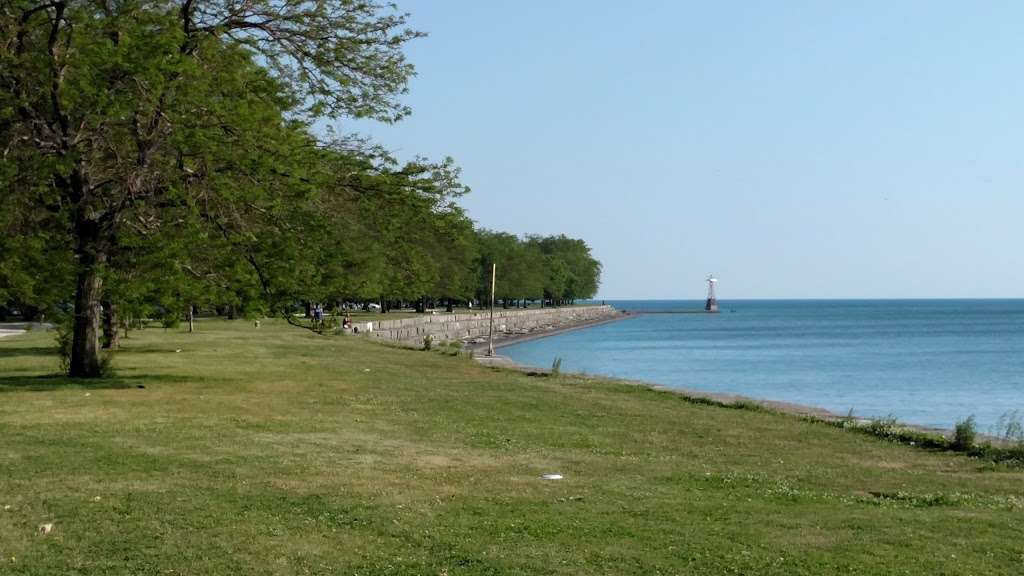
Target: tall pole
[490, 329]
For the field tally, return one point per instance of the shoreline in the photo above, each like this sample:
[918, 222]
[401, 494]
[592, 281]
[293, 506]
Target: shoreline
[721, 398]
[502, 339]
[499, 361]
[508, 340]
[780, 406]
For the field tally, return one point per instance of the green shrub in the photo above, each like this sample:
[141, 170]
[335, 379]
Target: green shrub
[964, 438]
[453, 348]
[747, 405]
[65, 335]
[329, 324]
[964, 435]
[1009, 428]
[886, 427]
[107, 364]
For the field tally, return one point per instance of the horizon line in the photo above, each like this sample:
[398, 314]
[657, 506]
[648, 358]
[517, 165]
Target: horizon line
[817, 298]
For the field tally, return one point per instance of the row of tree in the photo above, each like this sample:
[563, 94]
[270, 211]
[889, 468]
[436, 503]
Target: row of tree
[553, 269]
[457, 269]
[156, 155]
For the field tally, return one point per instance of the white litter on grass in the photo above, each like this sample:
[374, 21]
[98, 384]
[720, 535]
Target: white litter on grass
[87, 394]
[551, 476]
[45, 529]
[96, 499]
[7, 506]
[178, 350]
[366, 369]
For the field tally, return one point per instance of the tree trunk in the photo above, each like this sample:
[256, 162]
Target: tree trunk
[85, 346]
[111, 331]
[85, 342]
[191, 318]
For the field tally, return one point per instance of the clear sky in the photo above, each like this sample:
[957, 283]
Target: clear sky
[794, 149]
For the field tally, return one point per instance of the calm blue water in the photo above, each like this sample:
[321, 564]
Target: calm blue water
[928, 362]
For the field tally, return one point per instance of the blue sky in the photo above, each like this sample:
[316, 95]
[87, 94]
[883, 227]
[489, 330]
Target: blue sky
[794, 149]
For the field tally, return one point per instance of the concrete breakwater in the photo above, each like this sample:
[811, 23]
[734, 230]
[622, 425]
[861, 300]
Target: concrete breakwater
[472, 328]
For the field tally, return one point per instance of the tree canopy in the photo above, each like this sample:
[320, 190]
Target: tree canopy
[554, 269]
[158, 155]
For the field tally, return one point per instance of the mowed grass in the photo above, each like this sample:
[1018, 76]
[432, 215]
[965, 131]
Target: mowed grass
[277, 451]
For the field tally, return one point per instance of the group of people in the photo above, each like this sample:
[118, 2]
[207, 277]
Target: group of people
[318, 318]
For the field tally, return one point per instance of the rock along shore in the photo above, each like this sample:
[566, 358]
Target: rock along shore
[510, 326]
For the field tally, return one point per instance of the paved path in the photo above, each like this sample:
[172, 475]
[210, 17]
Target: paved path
[15, 328]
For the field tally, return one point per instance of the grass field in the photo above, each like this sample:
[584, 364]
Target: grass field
[276, 451]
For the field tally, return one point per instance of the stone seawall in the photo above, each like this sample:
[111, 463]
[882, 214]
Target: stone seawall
[473, 327]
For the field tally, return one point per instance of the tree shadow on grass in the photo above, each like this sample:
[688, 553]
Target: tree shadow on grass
[149, 349]
[49, 382]
[15, 351]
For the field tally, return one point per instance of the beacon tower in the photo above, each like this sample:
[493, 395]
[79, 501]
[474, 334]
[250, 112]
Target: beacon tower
[711, 305]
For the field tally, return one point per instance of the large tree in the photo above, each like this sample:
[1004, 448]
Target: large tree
[120, 119]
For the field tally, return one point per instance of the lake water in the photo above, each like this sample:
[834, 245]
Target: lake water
[927, 362]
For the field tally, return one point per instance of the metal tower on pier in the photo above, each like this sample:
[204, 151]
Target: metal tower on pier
[711, 305]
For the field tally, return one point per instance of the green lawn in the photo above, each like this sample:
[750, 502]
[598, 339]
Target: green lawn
[277, 451]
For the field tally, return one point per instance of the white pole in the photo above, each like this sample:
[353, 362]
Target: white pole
[490, 329]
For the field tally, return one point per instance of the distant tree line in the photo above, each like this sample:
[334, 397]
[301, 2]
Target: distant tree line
[160, 156]
[546, 270]
[555, 270]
